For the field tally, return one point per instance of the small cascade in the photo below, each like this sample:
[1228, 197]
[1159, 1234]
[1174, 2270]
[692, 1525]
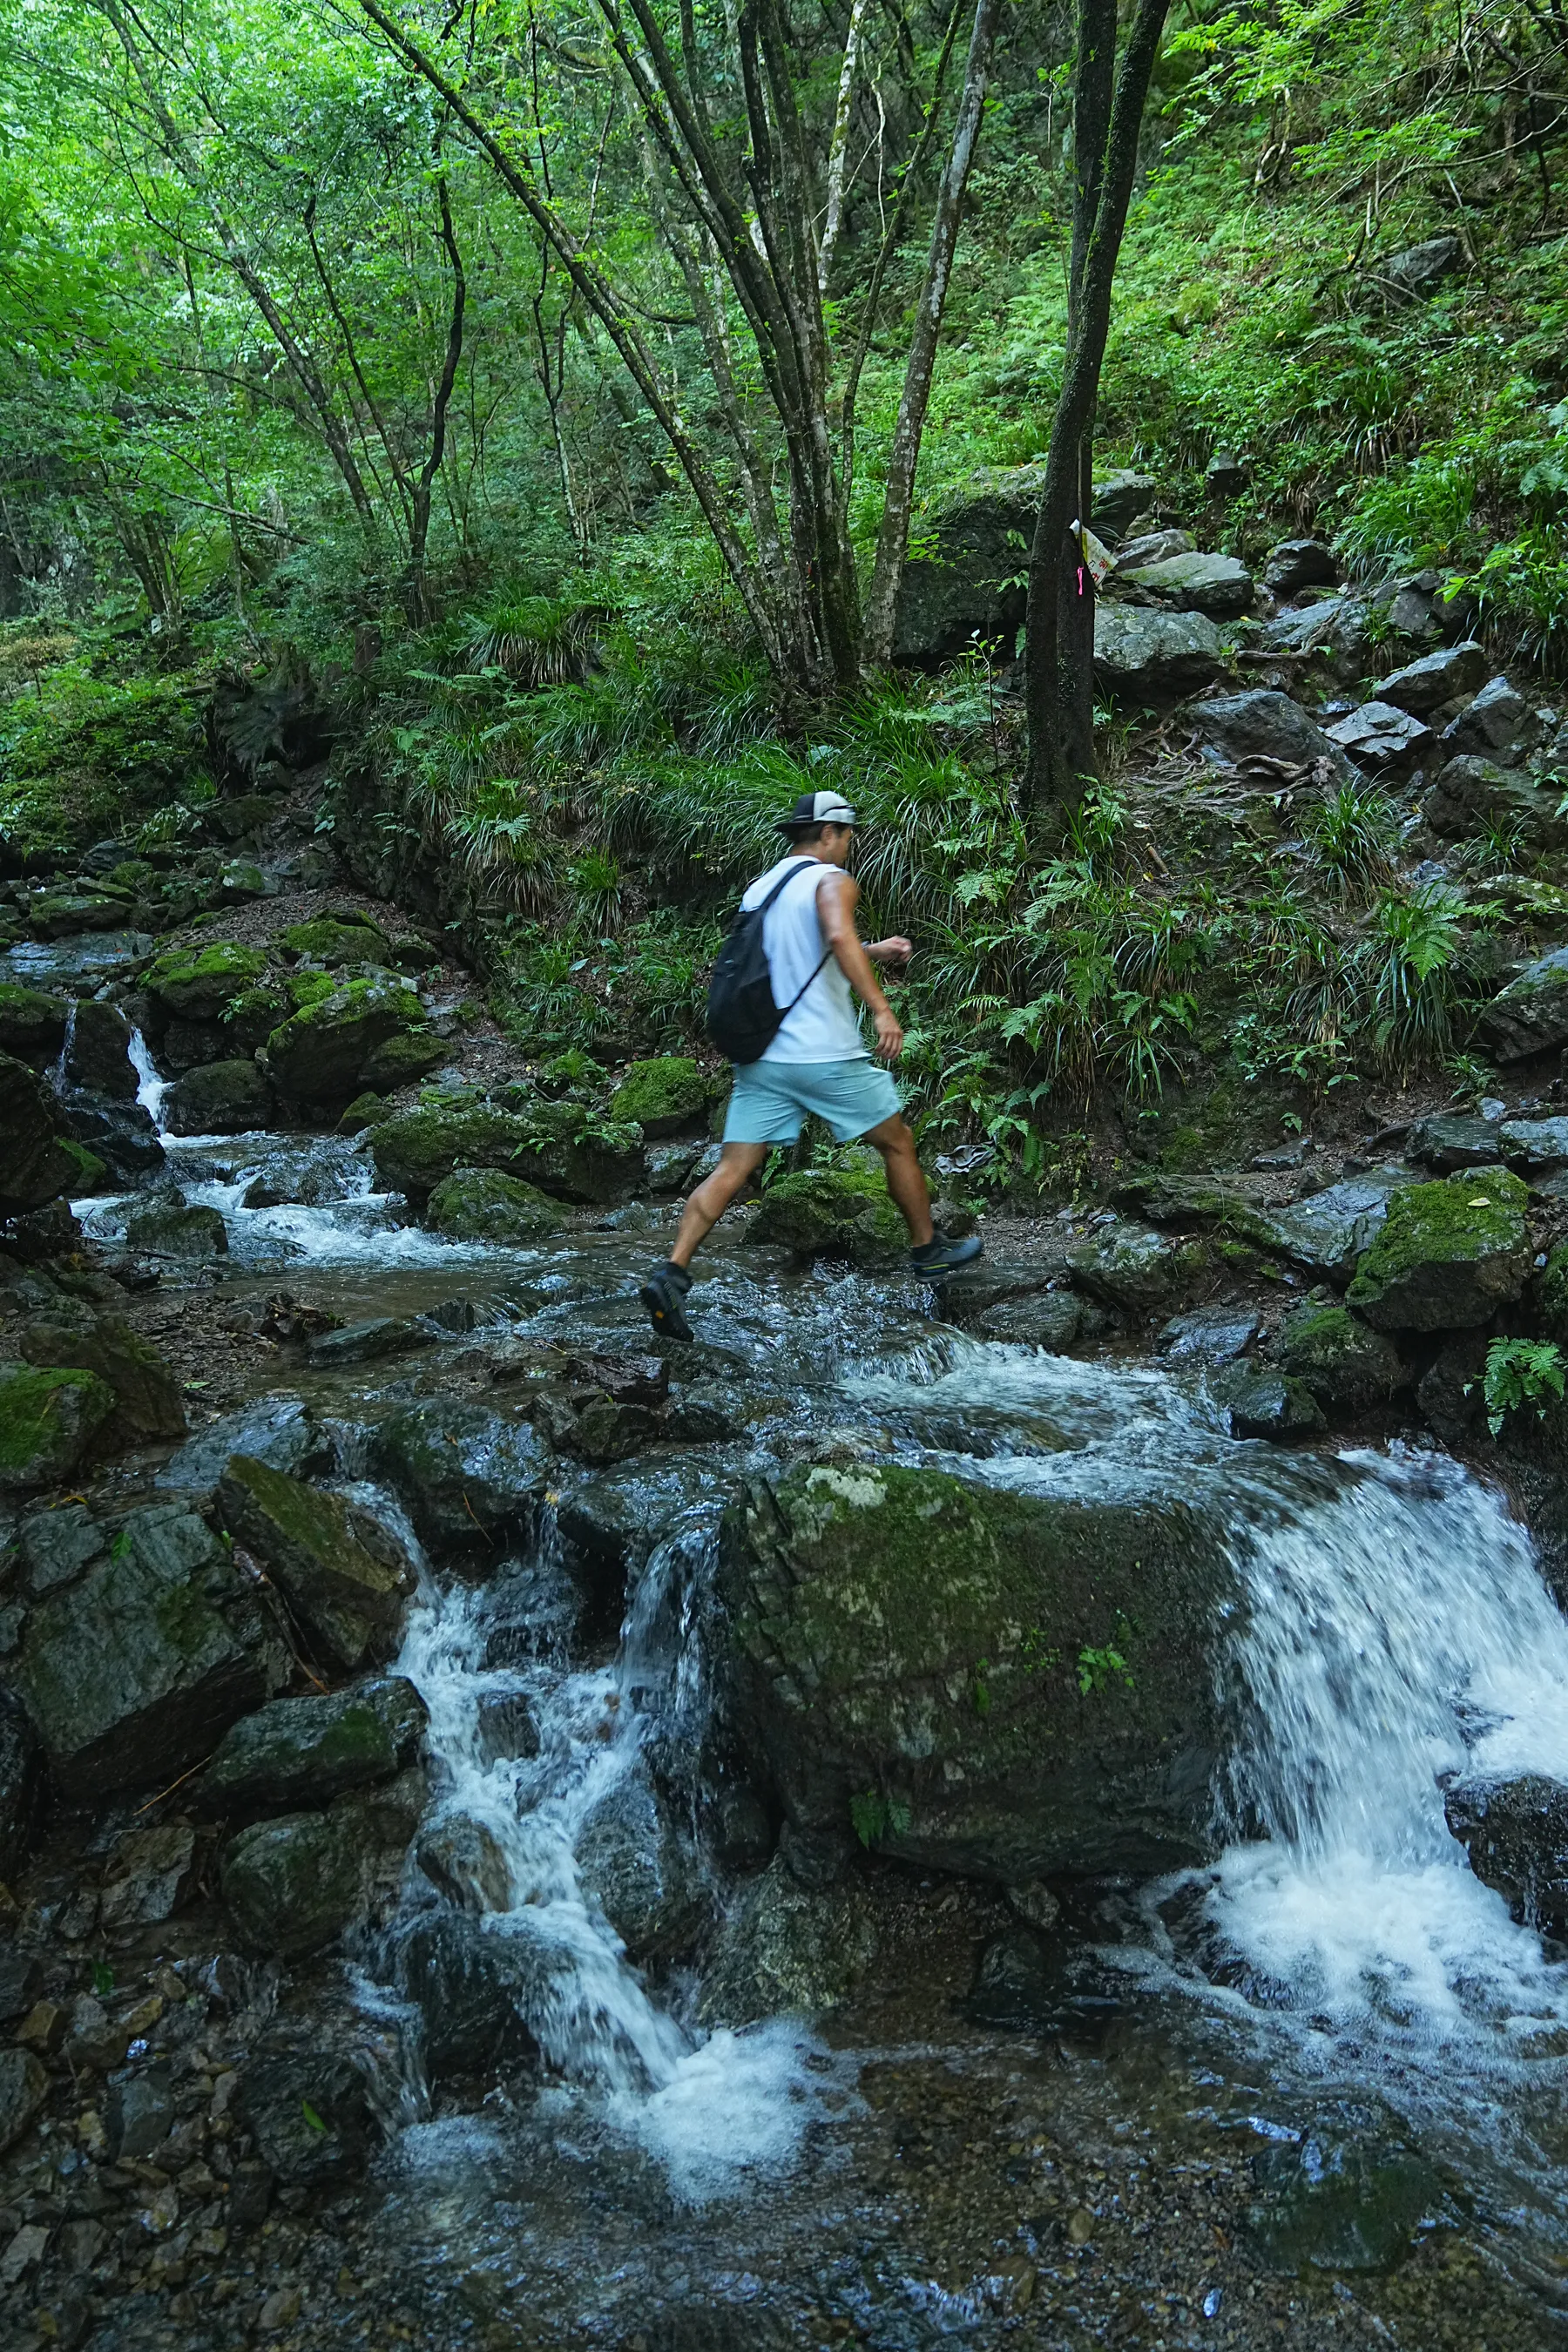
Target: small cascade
[709, 2106]
[149, 1087]
[59, 1068]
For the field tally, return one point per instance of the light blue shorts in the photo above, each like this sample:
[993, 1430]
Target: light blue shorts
[770, 1100]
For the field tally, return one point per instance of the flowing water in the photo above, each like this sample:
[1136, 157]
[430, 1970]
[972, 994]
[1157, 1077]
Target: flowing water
[1393, 1631]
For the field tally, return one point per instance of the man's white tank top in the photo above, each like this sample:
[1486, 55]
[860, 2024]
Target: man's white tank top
[823, 1026]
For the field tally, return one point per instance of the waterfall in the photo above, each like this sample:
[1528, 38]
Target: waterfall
[59, 1068]
[149, 1087]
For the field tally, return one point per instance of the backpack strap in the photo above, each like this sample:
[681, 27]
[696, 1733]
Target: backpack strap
[799, 866]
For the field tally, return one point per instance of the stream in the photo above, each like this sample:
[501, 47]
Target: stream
[891, 2171]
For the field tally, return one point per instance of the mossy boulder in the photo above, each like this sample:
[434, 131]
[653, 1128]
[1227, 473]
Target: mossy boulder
[365, 1110]
[786, 1948]
[1349, 1367]
[1531, 1014]
[833, 1213]
[32, 1025]
[220, 1099]
[48, 1419]
[60, 916]
[200, 983]
[410, 1056]
[480, 1204]
[34, 1166]
[147, 1400]
[345, 1579]
[306, 1751]
[1261, 1401]
[89, 1172]
[99, 1057]
[295, 1883]
[551, 1144]
[1341, 2200]
[133, 1672]
[1004, 1685]
[319, 1059]
[1131, 1268]
[330, 939]
[470, 1479]
[662, 1096]
[176, 1229]
[1515, 1831]
[1448, 1254]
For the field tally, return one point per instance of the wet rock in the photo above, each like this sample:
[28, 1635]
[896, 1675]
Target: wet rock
[784, 1950]
[133, 1673]
[137, 2113]
[278, 1431]
[1448, 1254]
[1381, 735]
[48, 1421]
[147, 1876]
[302, 1751]
[1020, 1984]
[345, 1579]
[470, 1479]
[405, 1058]
[1034, 1902]
[646, 1879]
[32, 1025]
[122, 1134]
[369, 1343]
[294, 1883]
[671, 1166]
[1534, 1144]
[1328, 1234]
[504, 1727]
[1498, 720]
[173, 1229]
[1215, 584]
[1297, 564]
[462, 1859]
[1436, 678]
[469, 1987]
[200, 983]
[99, 1058]
[1210, 1335]
[549, 1143]
[319, 1058]
[1051, 1319]
[833, 1213]
[480, 1204]
[905, 1632]
[365, 1110]
[1263, 1402]
[1144, 655]
[21, 1977]
[612, 1520]
[1447, 1142]
[1340, 2201]
[1515, 1831]
[1115, 499]
[221, 1098]
[61, 915]
[309, 2113]
[663, 1095]
[23, 2087]
[1134, 1268]
[1472, 793]
[34, 1167]
[1450, 1393]
[1531, 1014]
[21, 1785]
[1347, 1368]
[148, 1404]
[1261, 724]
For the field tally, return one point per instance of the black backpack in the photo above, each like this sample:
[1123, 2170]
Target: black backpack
[743, 1018]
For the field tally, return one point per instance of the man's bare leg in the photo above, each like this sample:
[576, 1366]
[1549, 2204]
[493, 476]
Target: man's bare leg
[906, 1179]
[738, 1163]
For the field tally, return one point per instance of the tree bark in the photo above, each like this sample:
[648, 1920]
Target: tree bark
[1059, 683]
[839, 152]
[419, 522]
[892, 539]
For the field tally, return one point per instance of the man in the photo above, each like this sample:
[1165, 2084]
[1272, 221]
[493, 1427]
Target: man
[818, 1060]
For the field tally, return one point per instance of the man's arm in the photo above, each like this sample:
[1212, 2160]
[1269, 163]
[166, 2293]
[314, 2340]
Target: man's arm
[836, 899]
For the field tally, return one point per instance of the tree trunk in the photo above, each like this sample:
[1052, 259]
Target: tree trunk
[892, 539]
[1058, 682]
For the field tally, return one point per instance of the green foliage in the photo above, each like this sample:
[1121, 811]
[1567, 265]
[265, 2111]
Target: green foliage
[82, 757]
[1102, 1669]
[1354, 835]
[875, 1816]
[1521, 1373]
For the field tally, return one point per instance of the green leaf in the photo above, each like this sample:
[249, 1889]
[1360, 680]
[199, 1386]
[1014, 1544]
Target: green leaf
[311, 2118]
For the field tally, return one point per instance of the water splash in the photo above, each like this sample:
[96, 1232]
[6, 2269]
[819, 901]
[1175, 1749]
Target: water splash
[151, 1088]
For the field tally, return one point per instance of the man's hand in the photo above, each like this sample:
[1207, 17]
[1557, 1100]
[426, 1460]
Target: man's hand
[889, 1035]
[890, 951]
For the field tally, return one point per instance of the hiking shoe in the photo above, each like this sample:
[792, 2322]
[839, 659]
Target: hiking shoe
[664, 1295]
[942, 1255]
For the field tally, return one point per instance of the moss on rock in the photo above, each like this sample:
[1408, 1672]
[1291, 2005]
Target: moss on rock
[1141, 1272]
[1348, 1366]
[200, 983]
[480, 1204]
[343, 1577]
[833, 1213]
[35, 1166]
[306, 1751]
[1448, 1254]
[333, 940]
[174, 1229]
[32, 1025]
[295, 1883]
[320, 1056]
[218, 1098]
[48, 1418]
[147, 1402]
[662, 1096]
[550, 1144]
[413, 1054]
